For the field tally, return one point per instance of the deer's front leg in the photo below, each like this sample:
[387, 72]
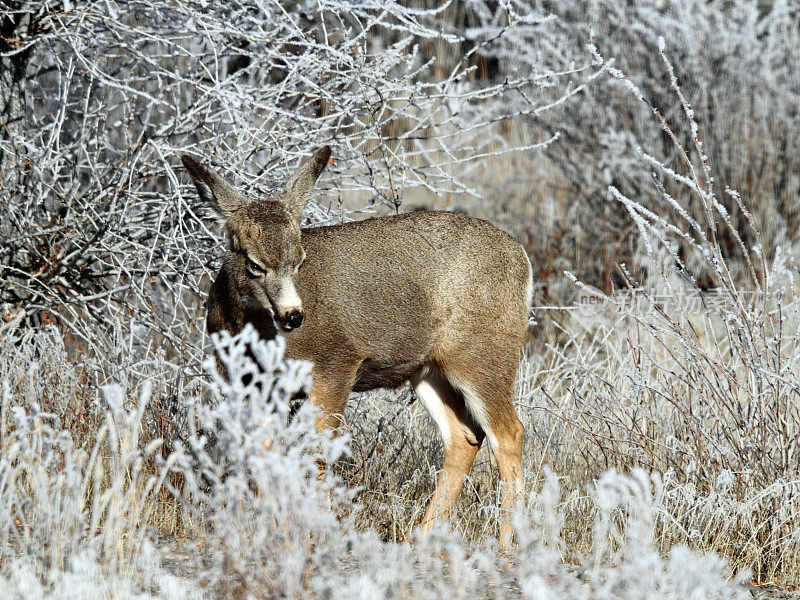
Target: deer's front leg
[331, 389]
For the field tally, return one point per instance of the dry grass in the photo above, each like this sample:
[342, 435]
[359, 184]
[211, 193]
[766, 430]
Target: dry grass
[254, 512]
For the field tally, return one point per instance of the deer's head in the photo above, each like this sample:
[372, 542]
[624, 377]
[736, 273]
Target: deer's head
[265, 235]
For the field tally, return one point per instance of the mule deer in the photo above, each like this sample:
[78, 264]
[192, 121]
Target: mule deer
[439, 299]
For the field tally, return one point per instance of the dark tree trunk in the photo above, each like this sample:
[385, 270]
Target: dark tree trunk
[15, 52]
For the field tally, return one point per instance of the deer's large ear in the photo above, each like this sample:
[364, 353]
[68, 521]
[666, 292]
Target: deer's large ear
[214, 189]
[299, 187]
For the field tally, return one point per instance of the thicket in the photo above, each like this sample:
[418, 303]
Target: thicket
[645, 148]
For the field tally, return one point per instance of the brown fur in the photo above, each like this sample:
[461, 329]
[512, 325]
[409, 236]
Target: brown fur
[433, 297]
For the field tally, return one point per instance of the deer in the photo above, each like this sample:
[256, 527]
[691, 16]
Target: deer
[435, 298]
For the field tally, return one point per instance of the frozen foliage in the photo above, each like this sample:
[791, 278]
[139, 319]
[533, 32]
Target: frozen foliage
[72, 519]
[251, 474]
[628, 509]
[100, 221]
[736, 62]
[275, 522]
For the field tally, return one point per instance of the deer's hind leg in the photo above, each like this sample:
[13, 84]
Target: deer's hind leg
[461, 437]
[487, 386]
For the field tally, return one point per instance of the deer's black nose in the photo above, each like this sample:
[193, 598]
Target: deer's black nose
[294, 319]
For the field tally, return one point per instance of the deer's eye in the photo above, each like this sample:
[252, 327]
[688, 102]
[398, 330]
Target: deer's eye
[253, 268]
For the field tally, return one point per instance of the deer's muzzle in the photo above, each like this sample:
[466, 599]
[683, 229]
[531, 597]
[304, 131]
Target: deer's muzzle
[288, 306]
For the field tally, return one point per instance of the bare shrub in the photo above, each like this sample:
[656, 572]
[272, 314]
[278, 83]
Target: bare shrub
[736, 63]
[99, 221]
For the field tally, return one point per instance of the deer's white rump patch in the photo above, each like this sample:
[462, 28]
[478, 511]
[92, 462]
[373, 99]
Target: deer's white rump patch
[434, 404]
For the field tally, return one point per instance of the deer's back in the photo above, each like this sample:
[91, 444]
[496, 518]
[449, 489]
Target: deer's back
[396, 292]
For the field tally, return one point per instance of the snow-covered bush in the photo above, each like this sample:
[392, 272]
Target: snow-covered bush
[252, 478]
[73, 520]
